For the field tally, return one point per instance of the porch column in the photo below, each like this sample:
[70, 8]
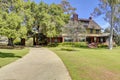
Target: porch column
[62, 39]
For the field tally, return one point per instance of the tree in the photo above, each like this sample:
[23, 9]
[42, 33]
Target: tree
[57, 20]
[19, 17]
[22, 34]
[117, 39]
[2, 22]
[109, 8]
[116, 36]
[28, 13]
[73, 29]
[67, 8]
[11, 28]
[39, 12]
[42, 17]
[15, 15]
[51, 19]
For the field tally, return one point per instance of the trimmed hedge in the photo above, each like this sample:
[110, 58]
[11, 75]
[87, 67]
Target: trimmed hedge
[53, 45]
[67, 49]
[74, 44]
[11, 47]
[102, 46]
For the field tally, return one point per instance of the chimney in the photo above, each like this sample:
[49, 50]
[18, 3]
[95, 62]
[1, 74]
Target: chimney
[75, 17]
[90, 18]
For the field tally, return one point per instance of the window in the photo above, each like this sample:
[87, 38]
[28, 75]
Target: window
[67, 39]
[82, 39]
[97, 31]
[55, 40]
[85, 26]
[91, 30]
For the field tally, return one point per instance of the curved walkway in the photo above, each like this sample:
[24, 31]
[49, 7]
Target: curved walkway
[39, 64]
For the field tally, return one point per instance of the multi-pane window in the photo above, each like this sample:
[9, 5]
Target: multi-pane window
[67, 39]
[97, 31]
[91, 30]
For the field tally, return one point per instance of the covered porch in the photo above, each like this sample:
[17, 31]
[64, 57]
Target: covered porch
[94, 39]
[97, 38]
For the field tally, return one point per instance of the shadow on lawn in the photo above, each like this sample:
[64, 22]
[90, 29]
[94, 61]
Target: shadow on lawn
[5, 55]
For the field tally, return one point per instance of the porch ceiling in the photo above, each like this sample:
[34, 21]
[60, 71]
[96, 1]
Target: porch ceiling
[98, 35]
[90, 35]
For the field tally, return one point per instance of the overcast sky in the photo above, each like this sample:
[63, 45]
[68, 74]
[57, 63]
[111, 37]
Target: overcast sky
[84, 9]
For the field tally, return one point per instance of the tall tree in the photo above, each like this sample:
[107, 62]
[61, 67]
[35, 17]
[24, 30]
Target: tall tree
[67, 7]
[51, 19]
[13, 12]
[10, 29]
[28, 19]
[109, 8]
[42, 17]
[116, 36]
[20, 15]
[57, 20]
[73, 29]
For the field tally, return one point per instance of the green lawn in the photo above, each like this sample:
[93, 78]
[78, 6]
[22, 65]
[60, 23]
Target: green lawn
[91, 64]
[9, 55]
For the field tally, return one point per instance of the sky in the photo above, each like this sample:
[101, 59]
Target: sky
[84, 9]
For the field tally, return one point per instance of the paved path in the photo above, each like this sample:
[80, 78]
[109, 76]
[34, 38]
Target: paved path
[39, 64]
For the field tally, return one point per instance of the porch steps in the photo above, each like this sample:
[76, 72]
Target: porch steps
[92, 45]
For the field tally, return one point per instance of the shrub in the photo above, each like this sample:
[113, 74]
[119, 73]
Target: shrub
[68, 49]
[29, 42]
[6, 47]
[52, 45]
[17, 41]
[102, 45]
[80, 44]
[11, 47]
[74, 44]
[3, 44]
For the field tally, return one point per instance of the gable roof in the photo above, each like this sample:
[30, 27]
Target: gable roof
[89, 23]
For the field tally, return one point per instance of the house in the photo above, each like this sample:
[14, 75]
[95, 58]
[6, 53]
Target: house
[93, 31]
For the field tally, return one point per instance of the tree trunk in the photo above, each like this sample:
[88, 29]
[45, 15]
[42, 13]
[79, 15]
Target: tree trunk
[10, 42]
[34, 43]
[37, 42]
[111, 29]
[50, 40]
[23, 41]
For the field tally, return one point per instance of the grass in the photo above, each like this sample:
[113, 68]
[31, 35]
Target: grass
[9, 55]
[91, 64]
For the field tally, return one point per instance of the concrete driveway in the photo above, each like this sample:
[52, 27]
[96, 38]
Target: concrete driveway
[39, 64]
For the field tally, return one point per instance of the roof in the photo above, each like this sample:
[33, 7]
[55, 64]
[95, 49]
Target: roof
[82, 19]
[91, 23]
[87, 23]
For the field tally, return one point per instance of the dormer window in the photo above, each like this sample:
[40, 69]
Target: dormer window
[97, 31]
[91, 31]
